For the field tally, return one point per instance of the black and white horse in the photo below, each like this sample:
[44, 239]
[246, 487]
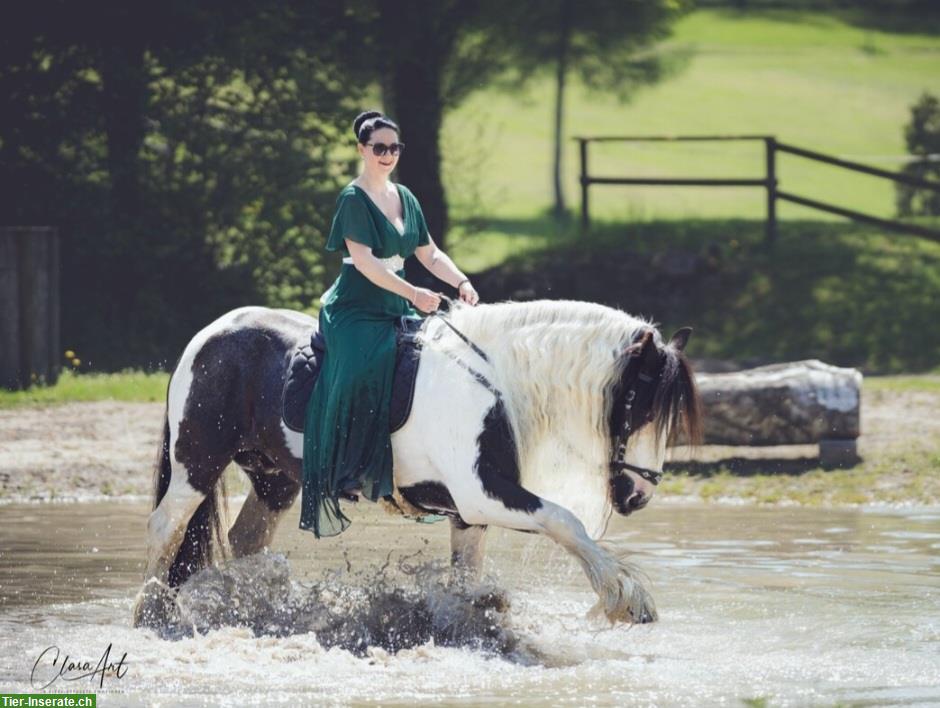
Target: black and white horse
[566, 418]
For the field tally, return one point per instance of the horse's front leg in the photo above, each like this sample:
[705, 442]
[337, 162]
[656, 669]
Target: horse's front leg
[622, 596]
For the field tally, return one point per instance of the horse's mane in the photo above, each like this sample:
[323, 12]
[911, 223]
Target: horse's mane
[556, 363]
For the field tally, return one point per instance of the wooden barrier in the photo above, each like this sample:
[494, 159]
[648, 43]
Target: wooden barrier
[29, 306]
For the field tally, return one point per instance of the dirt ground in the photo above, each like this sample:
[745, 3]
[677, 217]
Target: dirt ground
[108, 448]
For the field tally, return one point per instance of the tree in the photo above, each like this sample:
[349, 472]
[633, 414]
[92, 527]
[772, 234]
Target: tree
[922, 136]
[607, 43]
[434, 54]
[185, 151]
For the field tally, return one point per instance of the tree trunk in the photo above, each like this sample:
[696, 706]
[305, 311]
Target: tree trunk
[419, 44]
[124, 100]
[564, 39]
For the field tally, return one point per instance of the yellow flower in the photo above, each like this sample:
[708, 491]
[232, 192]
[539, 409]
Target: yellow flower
[33, 376]
[76, 362]
[69, 354]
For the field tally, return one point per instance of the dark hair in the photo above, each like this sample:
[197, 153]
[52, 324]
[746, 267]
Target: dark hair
[368, 121]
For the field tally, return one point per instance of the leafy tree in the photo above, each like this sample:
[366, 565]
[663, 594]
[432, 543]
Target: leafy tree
[922, 136]
[606, 43]
[434, 54]
[184, 150]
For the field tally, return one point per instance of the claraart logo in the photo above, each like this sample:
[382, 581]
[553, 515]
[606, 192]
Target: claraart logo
[52, 666]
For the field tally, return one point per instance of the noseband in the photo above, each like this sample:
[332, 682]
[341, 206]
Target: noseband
[619, 466]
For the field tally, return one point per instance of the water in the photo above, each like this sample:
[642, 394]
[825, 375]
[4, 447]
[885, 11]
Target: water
[786, 605]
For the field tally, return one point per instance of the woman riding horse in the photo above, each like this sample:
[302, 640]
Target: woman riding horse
[377, 224]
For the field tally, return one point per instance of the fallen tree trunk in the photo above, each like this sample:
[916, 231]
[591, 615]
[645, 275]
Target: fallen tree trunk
[797, 403]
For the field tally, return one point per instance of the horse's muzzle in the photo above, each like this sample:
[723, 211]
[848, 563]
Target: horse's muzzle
[635, 502]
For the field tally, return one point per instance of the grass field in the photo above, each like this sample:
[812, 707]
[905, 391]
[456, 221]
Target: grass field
[123, 386]
[808, 78]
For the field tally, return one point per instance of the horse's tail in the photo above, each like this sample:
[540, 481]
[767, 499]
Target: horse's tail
[162, 469]
[203, 533]
[196, 550]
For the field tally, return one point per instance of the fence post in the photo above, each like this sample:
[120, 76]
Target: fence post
[584, 185]
[770, 148]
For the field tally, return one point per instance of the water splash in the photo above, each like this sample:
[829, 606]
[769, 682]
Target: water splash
[399, 605]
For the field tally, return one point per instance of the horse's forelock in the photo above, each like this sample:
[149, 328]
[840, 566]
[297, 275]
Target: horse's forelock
[677, 405]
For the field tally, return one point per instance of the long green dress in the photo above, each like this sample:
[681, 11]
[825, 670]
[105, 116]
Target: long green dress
[347, 443]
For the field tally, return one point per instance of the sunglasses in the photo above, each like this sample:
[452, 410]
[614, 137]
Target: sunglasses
[379, 149]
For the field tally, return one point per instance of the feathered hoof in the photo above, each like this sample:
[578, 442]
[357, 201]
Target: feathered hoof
[630, 604]
[155, 606]
[492, 599]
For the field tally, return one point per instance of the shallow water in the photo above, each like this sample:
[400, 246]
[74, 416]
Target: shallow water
[795, 606]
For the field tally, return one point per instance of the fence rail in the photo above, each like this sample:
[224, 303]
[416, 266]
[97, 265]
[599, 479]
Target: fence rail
[769, 182]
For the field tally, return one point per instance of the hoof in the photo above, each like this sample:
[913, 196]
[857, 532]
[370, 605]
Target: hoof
[637, 609]
[155, 606]
[492, 600]
[646, 616]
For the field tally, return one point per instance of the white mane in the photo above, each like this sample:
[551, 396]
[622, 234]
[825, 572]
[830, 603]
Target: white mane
[552, 360]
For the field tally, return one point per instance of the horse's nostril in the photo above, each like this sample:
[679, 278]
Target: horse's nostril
[638, 501]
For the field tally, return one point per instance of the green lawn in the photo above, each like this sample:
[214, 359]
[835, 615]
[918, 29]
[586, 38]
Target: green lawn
[808, 78]
[123, 386]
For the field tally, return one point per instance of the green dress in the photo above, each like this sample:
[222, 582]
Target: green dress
[347, 443]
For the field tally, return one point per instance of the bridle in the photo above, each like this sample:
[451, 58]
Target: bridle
[618, 465]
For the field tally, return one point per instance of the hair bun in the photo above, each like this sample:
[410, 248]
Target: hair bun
[362, 118]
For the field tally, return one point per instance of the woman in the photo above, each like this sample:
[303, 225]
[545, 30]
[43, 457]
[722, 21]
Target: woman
[377, 224]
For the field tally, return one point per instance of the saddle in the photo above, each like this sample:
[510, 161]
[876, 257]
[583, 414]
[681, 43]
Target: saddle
[304, 368]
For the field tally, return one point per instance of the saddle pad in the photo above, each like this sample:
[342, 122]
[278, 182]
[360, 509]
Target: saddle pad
[304, 368]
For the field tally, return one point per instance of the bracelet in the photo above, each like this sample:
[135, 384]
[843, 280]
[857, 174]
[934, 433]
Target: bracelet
[415, 297]
[465, 280]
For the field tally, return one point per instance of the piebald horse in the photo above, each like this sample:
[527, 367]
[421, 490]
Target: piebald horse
[558, 415]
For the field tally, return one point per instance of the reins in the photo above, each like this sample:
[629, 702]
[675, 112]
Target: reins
[465, 338]
[480, 378]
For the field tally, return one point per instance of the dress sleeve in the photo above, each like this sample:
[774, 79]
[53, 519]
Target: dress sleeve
[353, 221]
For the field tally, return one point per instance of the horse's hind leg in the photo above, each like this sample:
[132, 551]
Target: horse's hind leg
[466, 547]
[177, 530]
[166, 527]
[272, 493]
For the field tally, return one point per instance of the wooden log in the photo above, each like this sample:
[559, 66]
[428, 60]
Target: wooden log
[797, 403]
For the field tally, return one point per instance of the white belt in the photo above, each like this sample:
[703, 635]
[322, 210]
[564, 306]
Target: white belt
[393, 264]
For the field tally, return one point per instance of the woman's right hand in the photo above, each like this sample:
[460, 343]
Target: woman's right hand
[426, 300]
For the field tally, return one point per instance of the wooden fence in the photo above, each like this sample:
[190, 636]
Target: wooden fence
[768, 182]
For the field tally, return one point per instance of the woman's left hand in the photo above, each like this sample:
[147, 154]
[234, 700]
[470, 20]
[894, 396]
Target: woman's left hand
[468, 293]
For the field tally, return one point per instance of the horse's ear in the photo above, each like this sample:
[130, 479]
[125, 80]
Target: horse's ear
[641, 345]
[650, 352]
[681, 338]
